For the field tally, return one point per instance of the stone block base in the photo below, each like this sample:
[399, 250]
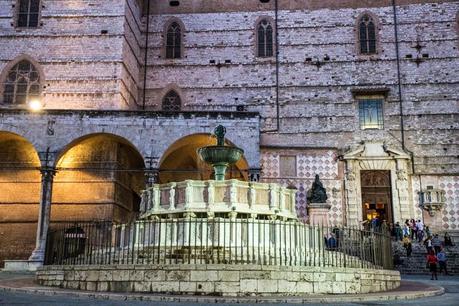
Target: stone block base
[22, 265]
[223, 280]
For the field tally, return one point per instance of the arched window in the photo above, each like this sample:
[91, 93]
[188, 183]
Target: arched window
[174, 41]
[264, 39]
[171, 102]
[22, 83]
[28, 13]
[367, 35]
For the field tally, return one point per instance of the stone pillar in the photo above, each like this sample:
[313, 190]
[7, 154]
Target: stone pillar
[318, 213]
[47, 175]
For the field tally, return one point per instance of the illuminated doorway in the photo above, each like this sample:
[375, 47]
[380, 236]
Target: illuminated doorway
[376, 195]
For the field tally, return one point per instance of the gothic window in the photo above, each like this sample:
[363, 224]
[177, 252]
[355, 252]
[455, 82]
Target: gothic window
[174, 41]
[22, 84]
[171, 102]
[371, 114]
[367, 35]
[264, 39]
[28, 13]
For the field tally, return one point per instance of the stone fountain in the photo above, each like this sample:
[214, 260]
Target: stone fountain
[220, 157]
[220, 237]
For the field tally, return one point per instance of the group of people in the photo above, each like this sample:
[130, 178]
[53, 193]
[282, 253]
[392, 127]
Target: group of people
[415, 231]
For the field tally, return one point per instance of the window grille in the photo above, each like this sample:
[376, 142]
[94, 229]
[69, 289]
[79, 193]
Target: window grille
[367, 35]
[174, 41]
[265, 39]
[28, 13]
[171, 102]
[22, 84]
[371, 114]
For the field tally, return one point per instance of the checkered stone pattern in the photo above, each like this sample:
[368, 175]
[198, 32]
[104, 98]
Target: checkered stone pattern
[269, 165]
[416, 189]
[451, 210]
[325, 165]
[334, 193]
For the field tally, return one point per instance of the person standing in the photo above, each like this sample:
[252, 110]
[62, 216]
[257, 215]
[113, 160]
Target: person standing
[441, 257]
[447, 240]
[436, 243]
[428, 244]
[407, 245]
[413, 230]
[398, 232]
[406, 228]
[432, 263]
[420, 232]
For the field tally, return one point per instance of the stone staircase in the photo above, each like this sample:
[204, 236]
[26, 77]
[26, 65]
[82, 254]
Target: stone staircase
[416, 263]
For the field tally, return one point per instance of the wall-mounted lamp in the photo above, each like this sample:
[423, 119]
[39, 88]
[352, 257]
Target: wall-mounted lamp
[35, 104]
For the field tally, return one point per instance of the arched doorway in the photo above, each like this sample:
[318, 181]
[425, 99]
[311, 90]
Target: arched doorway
[181, 162]
[19, 196]
[99, 177]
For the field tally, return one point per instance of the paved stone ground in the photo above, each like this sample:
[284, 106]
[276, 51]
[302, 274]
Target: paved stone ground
[411, 284]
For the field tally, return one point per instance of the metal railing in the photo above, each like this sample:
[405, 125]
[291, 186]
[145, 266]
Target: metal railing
[217, 241]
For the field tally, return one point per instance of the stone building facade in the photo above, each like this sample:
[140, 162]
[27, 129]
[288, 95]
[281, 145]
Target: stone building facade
[379, 125]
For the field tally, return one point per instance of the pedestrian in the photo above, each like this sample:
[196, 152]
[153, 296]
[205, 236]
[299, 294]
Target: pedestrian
[398, 232]
[436, 243]
[407, 245]
[406, 228]
[428, 244]
[413, 230]
[420, 232]
[447, 240]
[432, 264]
[441, 257]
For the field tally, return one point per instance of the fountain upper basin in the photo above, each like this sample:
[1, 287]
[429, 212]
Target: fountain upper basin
[220, 154]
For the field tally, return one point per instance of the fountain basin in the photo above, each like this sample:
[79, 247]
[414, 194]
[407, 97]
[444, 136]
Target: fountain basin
[220, 157]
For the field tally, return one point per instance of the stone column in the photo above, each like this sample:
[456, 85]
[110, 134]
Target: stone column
[47, 175]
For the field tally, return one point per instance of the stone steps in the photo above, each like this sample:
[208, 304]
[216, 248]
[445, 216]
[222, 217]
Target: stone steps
[416, 263]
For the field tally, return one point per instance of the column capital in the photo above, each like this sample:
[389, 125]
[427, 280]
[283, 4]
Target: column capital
[151, 176]
[254, 174]
[47, 171]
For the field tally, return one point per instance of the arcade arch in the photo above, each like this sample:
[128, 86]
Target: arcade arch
[181, 162]
[99, 177]
[19, 196]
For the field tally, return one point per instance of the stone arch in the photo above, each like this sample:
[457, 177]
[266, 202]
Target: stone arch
[180, 161]
[19, 196]
[12, 63]
[377, 26]
[99, 176]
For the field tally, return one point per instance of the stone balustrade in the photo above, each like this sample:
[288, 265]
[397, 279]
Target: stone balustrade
[432, 200]
[211, 197]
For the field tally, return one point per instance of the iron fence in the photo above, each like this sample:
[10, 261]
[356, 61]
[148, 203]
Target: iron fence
[217, 241]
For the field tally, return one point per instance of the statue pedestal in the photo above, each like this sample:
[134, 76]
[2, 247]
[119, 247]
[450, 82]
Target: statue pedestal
[318, 213]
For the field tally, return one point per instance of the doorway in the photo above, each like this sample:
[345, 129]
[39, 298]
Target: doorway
[376, 195]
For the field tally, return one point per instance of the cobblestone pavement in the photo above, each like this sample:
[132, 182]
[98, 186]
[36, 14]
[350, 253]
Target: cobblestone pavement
[450, 298]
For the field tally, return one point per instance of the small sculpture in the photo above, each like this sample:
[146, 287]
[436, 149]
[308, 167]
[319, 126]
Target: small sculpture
[317, 193]
[220, 132]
